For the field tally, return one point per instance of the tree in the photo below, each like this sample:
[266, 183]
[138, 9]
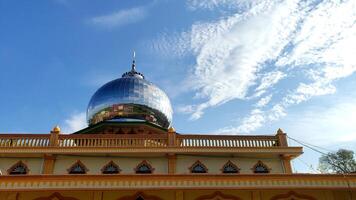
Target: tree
[340, 162]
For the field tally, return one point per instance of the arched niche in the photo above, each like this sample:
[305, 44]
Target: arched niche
[218, 196]
[140, 196]
[56, 196]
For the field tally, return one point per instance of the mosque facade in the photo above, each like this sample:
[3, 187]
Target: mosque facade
[130, 151]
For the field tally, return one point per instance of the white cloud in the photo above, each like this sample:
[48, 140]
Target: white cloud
[171, 45]
[244, 53]
[75, 122]
[226, 4]
[230, 51]
[270, 79]
[264, 101]
[120, 18]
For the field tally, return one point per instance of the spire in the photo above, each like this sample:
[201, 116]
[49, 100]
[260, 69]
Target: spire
[133, 72]
[133, 67]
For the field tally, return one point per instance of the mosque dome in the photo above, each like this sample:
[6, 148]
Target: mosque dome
[130, 98]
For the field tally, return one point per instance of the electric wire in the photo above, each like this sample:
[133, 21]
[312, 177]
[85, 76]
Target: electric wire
[344, 172]
[313, 147]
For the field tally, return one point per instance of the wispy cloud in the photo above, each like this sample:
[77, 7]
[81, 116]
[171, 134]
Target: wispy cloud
[230, 52]
[244, 54]
[214, 4]
[75, 122]
[120, 18]
[171, 45]
[264, 101]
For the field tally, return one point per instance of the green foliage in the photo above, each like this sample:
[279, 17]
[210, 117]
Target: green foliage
[342, 161]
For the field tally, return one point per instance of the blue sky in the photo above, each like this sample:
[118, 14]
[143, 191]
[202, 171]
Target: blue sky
[228, 66]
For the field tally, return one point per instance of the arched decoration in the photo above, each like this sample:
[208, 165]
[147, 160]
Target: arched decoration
[230, 168]
[140, 196]
[144, 168]
[218, 196]
[292, 196]
[198, 167]
[18, 168]
[78, 168]
[260, 167]
[56, 196]
[110, 168]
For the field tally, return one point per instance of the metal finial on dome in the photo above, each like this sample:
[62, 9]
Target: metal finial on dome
[133, 67]
[133, 72]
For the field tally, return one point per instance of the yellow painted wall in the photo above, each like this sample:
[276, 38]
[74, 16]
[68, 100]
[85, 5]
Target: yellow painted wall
[94, 164]
[34, 164]
[214, 164]
[127, 164]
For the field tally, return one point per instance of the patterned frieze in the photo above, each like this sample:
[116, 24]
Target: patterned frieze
[149, 182]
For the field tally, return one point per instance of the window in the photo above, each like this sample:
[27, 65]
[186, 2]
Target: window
[18, 168]
[260, 167]
[144, 168]
[77, 168]
[111, 168]
[198, 167]
[230, 168]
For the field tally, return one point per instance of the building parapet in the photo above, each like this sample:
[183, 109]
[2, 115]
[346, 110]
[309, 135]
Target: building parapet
[139, 140]
[56, 143]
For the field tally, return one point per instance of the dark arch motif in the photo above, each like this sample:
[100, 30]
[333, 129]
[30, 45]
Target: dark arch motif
[260, 167]
[140, 196]
[198, 167]
[111, 168]
[292, 194]
[77, 168]
[218, 195]
[56, 196]
[230, 168]
[18, 168]
[144, 168]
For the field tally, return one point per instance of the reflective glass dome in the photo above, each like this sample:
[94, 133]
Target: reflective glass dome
[130, 97]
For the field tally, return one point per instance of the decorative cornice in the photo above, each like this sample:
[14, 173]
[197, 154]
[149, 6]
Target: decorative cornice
[191, 181]
[290, 151]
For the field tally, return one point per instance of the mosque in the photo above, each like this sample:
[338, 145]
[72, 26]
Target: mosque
[130, 151]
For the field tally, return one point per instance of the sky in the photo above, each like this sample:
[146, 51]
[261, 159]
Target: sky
[228, 66]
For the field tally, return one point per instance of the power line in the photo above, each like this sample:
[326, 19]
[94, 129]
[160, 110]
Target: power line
[313, 147]
[319, 147]
[308, 146]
